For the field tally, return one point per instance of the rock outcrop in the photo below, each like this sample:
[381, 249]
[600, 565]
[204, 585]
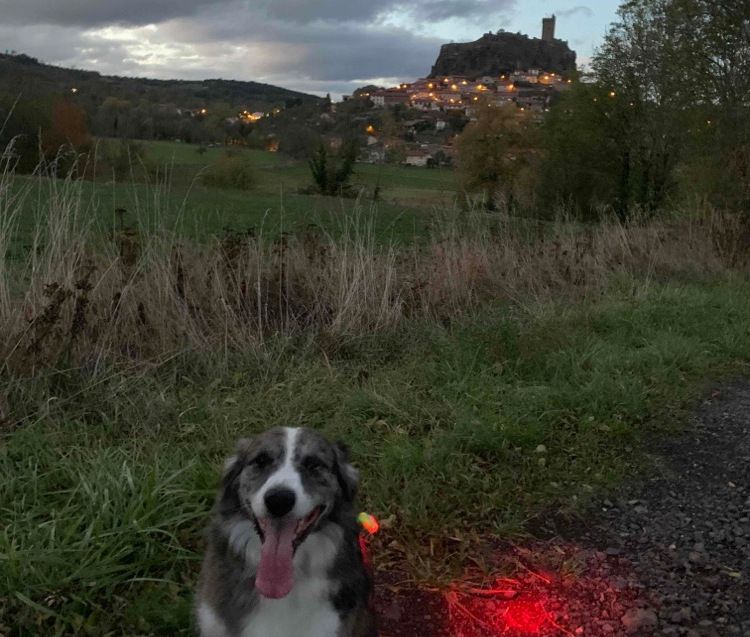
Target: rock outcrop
[498, 53]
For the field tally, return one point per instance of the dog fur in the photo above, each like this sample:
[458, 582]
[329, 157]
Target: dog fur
[332, 588]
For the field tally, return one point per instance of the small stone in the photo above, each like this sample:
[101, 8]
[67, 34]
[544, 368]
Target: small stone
[613, 551]
[541, 449]
[637, 619]
[695, 557]
[682, 616]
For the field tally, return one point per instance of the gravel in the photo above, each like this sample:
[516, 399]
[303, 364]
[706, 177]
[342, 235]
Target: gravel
[668, 555]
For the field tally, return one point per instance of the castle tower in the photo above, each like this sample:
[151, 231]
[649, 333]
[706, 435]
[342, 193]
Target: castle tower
[548, 28]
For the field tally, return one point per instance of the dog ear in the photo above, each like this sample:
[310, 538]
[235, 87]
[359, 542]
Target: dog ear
[233, 464]
[228, 499]
[348, 476]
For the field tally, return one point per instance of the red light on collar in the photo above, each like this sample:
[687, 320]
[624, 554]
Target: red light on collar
[368, 522]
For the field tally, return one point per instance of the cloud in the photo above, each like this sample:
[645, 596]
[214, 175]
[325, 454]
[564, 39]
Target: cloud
[86, 13]
[573, 11]
[301, 44]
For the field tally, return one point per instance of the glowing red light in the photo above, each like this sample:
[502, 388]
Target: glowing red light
[369, 523]
[524, 615]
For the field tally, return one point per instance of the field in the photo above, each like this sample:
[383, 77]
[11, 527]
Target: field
[175, 195]
[481, 375]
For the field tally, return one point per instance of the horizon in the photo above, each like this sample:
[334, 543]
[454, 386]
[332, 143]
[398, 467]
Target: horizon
[333, 47]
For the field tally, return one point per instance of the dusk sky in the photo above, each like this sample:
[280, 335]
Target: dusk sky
[313, 46]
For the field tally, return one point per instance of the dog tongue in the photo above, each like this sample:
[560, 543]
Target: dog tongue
[275, 576]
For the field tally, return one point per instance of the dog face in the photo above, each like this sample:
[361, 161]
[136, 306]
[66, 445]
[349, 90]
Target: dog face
[289, 482]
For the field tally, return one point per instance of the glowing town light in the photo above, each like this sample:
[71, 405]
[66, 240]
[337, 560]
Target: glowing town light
[368, 522]
[370, 130]
[612, 93]
[454, 87]
[203, 111]
[74, 90]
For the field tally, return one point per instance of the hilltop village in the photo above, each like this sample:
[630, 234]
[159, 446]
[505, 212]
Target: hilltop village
[430, 111]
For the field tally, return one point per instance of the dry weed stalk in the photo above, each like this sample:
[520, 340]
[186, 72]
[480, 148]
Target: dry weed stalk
[146, 295]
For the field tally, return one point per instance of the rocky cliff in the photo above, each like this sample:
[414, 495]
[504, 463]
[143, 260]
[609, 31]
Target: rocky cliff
[497, 53]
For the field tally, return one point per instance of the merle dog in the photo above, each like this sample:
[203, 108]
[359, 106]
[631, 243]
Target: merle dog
[283, 556]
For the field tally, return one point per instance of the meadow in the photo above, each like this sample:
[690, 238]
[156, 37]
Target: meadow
[169, 193]
[489, 371]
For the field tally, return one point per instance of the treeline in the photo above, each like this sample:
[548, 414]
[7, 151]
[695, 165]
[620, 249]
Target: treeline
[54, 130]
[137, 108]
[663, 120]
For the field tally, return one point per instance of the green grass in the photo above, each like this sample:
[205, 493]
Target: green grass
[402, 213]
[104, 491]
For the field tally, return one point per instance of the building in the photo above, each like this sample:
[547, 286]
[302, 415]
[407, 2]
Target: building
[389, 97]
[548, 28]
[417, 157]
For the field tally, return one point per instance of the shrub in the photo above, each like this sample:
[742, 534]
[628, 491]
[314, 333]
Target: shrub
[230, 172]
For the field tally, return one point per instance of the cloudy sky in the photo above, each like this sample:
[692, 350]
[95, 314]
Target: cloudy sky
[315, 46]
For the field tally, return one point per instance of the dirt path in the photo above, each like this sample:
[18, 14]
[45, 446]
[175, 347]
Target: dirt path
[670, 556]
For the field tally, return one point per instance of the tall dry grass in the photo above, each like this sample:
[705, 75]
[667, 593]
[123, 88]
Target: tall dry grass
[83, 296]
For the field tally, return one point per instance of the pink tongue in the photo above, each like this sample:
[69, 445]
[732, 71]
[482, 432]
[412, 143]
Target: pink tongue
[275, 576]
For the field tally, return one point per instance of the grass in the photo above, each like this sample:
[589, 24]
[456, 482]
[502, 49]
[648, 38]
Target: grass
[132, 364]
[420, 187]
[106, 488]
[408, 197]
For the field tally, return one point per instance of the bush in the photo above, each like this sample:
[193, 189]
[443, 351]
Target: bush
[230, 172]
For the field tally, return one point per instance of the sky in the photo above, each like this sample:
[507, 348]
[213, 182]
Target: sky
[315, 46]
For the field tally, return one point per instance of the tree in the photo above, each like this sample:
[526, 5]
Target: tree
[68, 126]
[33, 131]
[22, 122]
[640, 69]
[493, 151]
[331, 173]
[713, 41]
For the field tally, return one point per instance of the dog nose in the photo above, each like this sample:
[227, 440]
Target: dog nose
[279, 502]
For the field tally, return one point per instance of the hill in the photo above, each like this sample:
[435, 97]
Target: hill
[498, 53]
[92, 88]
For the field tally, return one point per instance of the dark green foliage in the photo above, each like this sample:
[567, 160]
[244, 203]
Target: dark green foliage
[588, 165]
[667, 119]
[21, 125]
[331, 173]
[143, 108]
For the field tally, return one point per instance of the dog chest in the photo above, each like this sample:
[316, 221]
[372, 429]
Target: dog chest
[306, 612]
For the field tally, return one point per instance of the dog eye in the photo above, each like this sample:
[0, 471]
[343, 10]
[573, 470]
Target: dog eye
[312, 464]
[261, 461]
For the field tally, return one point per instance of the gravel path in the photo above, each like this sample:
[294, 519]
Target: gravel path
[686, 531]
[670, 556]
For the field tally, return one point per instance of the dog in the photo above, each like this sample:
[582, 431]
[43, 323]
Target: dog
[283, 556]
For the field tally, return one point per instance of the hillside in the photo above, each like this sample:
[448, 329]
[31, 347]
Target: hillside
[497, 53]
[38, 79]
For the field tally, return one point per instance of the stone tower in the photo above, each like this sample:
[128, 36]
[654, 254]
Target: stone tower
[548, 28]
